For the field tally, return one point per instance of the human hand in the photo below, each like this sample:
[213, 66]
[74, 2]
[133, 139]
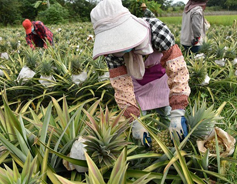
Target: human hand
[195, 41]
[139, 132]
[178, 123]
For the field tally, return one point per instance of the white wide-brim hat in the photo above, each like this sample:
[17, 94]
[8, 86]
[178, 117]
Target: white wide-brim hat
[116, 29]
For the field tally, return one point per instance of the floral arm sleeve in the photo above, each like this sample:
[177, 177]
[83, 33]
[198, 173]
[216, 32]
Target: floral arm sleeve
[173, 61]
[123, 86]
[178, 74]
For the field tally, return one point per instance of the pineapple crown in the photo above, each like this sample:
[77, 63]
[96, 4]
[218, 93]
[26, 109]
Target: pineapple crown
[76, 67]
[202, 119]
[106, 137]
[46, 67]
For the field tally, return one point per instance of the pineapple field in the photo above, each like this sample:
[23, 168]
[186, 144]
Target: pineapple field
[58, 101]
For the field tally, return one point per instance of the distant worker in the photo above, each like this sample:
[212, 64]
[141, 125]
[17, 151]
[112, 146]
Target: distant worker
[37, 32]
[194, 25]
[147, 12]
[234, 24]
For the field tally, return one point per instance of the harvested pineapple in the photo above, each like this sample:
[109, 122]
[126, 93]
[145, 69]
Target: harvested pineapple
[226, 143]
[164, 136]
[201, 119]
[211, 145]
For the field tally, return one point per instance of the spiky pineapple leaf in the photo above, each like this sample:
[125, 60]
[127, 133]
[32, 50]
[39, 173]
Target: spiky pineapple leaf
[201, 119]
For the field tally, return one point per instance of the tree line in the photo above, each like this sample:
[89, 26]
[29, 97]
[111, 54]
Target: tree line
[13, 12]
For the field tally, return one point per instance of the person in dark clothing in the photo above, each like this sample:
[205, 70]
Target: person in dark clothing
[37, 32]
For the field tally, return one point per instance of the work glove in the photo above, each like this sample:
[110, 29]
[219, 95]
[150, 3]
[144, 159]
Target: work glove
[139, 132]
[195, 41]
[178, 123]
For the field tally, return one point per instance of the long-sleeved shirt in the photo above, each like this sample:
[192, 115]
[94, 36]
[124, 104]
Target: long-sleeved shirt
[149, 14]
[162, 40]
[39, 35]
[193, 26]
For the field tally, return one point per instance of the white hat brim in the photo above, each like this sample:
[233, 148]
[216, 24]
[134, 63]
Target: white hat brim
[125, 36]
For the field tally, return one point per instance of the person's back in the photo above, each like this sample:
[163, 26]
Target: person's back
[193, 25]
[188, 29]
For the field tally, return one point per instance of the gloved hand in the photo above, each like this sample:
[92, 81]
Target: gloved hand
[139, 132]
[195, 41]
[178, 123]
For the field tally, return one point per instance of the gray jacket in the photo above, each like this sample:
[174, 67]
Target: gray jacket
[193, 25]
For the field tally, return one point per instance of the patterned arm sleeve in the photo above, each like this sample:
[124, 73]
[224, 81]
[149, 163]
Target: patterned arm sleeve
[123, 86]
[173, 61]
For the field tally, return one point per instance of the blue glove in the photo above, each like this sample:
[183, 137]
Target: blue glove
[178, 123]
[146, 140]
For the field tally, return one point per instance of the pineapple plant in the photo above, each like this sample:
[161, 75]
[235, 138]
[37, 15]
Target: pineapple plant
[75, 65]
[31, 59]
[220, 51]
[46, 70]
[230, 54]
[206, 48]
[201, 121]
[198, 72]
[27, 174]
[106, 137]
[46, 67]
[27, 71]
[78, 75]
[14, 43]
[3, 46]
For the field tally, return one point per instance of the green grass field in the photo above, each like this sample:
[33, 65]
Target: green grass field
[226, 20]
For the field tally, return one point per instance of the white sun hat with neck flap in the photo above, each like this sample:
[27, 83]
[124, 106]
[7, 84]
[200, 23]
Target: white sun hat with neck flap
[116, 29]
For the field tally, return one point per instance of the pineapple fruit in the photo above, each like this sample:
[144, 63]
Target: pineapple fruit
[201, 119]
[164, 136]
[211, 145]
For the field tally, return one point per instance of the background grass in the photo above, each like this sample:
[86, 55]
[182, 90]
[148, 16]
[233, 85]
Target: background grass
[225, 20]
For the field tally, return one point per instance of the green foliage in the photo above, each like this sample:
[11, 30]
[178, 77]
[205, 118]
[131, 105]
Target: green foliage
[28, 175]
[226, 20]
[46, 66]
[46, 122]
[106, 137]
[32, 59]
[80, 10]
[76, 67]
[9, 12]
[27, 10]
[55, 14]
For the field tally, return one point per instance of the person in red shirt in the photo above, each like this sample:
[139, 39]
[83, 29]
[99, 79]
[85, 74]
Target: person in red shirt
[37, 32]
